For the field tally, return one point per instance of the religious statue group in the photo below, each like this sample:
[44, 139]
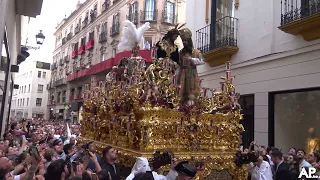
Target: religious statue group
[177, 45]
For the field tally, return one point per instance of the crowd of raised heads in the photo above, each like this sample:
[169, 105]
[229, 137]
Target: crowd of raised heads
[271, 163]
[47, 150]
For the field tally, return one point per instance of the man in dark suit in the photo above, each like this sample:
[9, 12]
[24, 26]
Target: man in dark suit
[281, 168]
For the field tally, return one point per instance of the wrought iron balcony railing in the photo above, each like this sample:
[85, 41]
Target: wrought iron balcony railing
[61, 62]
[60, 82]
[294, 10]
[64, 40]
[225, 35]
[67, 59]
[102, 37]
[85, 22]
[105, 5]
[115, 29]
[169, 18]
[133, 17]
[148, 16]
[69, 36]
[77, 29]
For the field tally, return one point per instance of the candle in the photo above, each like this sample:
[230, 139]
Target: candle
[228, 66]
[174, 79]
[222, 86]
[178, 89]
[227, 74]
[205, 92]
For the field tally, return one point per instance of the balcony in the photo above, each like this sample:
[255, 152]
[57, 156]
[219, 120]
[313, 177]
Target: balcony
[133, 17]
[78, 96]
[85, 22]
[115, 1]
[54, 66]
[59, 82]
[301, 18]
[102, 37]
[61, 62]
[64, 40]
[169, 18]
[93, 15]
[81, 50]
[115, 29]
[77, 29]
[105, 5]
[66, 59]
[74, 54]
[90, 45]
[69, 36]
[218, 49]
[50, 85]
[148, 16]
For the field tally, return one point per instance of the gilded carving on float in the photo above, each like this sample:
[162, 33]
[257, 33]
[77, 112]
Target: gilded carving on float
[139, 110]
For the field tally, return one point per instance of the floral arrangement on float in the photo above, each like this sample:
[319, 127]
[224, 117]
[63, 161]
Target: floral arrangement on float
[141, 109]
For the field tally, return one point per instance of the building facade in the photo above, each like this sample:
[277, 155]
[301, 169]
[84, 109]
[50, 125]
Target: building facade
[86, 45]
[30, 100]
[12, 17]
[274, 49]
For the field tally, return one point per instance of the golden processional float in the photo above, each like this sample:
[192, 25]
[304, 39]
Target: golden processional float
[137, 110]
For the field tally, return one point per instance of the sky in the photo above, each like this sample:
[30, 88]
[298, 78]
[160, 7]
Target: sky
[53, 11]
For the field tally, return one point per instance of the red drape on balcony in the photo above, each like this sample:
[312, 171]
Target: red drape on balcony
[81, 50]
[109, 63]
[89, 44]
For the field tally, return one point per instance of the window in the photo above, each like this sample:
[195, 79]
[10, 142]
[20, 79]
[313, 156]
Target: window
[27, 101]
[58, 98]
[39, 74]
[44, 74]
[91, 36]
[38, 101]
[24, 90]
[83, 41]
[71, 29]
[40, 88]
[102, 58]
[75, 46]
[133, 12]
[150, 6]
[114, 52]
[64, 93]
[115, 24]
[29, 88]
[169, 12]
[23, 102]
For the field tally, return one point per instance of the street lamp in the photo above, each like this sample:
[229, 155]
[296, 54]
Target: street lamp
[40, 38]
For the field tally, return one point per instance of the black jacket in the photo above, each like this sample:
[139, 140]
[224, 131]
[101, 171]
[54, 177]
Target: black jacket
[282, 172]
[114, 170]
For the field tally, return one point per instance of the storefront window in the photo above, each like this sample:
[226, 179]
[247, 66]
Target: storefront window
[294, 114]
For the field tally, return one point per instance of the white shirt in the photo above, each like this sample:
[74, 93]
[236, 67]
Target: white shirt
[142, 166]
[303, 164]
[263, 172]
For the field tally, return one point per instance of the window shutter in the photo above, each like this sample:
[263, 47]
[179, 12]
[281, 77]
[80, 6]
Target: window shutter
[165, 9]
